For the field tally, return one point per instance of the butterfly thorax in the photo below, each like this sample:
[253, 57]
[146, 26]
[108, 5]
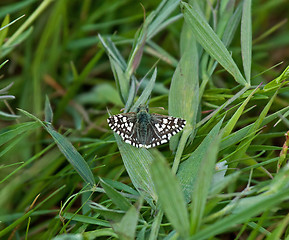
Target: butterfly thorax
[143, 120]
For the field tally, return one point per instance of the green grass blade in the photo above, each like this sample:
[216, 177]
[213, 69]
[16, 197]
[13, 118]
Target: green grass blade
[246, 39]
[243, 146]
[48, 111]
[209, 40]
[121, 202]
[72, 155]
[164, 9]
[189, 169]
[184, 89]
[234, 119]
[279, 230]
[4, 30]
[240, 134]
[17, 130]
[110, 214]
[203, 183]
[170, 196]
[137, 163]
[68, 150]
[146, 93]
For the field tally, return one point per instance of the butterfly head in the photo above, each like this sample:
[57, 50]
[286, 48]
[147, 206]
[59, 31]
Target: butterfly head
[142, 109]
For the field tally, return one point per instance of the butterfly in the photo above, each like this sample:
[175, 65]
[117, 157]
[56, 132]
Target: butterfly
[142, 129]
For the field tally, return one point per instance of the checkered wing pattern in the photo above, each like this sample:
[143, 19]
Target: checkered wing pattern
[123, 124]
[159, 129]
[164, 127]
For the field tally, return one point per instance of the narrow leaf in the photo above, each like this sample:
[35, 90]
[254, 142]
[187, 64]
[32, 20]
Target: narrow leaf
[189, 169]
[72, 155]
[126, 228]
[246, 38]
[203, 184]
[209, 40]
[48, 111]
[115, 196]
[170, 196]
[146, 92]
[137, 162]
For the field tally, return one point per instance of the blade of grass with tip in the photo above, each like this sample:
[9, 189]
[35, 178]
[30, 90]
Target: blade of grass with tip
[209, 40]
[246, 39]
[68, 150]
[146, 92]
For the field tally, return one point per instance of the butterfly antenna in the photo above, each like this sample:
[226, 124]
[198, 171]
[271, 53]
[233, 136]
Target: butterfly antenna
[109, 113]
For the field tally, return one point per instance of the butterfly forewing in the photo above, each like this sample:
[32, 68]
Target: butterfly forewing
[158, 128]
[123, 124]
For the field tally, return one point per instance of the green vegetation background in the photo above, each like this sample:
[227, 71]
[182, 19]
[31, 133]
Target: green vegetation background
[221, 65]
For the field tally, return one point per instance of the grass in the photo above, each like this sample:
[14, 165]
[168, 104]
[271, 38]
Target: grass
[221, 66]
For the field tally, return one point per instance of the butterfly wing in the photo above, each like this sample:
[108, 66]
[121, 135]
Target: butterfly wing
[159, 129]
[123, 125]
[164, 127]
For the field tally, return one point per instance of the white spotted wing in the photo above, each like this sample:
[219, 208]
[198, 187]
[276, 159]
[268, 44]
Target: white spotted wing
[159, 129]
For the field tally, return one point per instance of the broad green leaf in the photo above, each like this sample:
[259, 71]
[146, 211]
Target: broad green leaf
[203, 182]
[120, 201]
[232, 26]
[246, 39]
[184, 89]
[225, 13]
[189, 169]
[209, 40]
[121, 186]
[171, 197]
[137, 162]
[126, 228]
